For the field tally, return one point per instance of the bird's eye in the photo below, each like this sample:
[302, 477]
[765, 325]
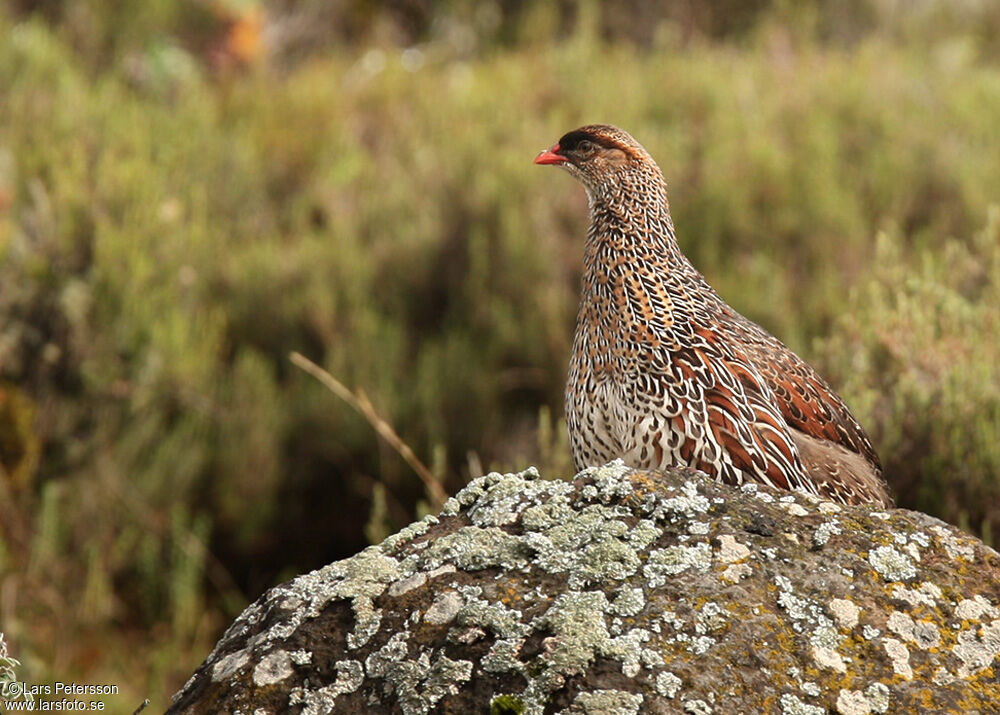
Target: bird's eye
[585, 147]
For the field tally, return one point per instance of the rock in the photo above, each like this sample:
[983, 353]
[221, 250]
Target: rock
[626, 592]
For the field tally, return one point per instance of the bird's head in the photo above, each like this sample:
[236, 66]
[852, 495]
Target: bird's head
[603, 158]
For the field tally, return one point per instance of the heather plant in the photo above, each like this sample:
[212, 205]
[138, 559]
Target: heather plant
[170, 233]
[917, 349]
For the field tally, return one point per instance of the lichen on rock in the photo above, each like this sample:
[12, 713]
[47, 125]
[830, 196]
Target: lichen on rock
[626, 591]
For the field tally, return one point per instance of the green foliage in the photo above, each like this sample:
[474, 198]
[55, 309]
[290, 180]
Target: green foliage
[506, 705]
[167, 238]
[107, 32]
[917, 349]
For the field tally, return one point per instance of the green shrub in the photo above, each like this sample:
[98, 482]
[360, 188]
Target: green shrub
[917, 350]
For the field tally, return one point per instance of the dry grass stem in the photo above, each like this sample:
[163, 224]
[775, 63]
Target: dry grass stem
[360, 402]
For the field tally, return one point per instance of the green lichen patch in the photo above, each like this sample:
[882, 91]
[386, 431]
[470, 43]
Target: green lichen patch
[673, 560]
[609, 702]
[892, 564]
[473, 548]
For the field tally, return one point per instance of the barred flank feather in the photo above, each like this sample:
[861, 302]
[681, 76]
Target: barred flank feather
[665, 373]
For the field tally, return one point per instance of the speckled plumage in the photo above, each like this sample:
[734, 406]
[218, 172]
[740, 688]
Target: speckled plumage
[664, 372]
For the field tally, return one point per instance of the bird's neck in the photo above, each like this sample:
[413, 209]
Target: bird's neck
[631, 222]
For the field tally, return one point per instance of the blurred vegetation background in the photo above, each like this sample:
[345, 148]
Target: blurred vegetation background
[191, 189]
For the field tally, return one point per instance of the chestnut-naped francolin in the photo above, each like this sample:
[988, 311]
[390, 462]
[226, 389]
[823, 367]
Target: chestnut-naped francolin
[665, 373]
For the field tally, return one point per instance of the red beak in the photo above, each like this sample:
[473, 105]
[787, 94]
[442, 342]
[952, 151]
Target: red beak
[551, 156]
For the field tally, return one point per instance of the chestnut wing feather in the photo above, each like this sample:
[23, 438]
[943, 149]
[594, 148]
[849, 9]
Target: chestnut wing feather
[806, 401]
[740, 415]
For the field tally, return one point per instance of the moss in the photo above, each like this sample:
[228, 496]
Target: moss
[506, 705]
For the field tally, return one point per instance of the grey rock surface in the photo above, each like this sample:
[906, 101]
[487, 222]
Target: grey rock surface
[626, 592]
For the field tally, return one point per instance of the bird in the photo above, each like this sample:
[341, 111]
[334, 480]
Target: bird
[664, 373]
